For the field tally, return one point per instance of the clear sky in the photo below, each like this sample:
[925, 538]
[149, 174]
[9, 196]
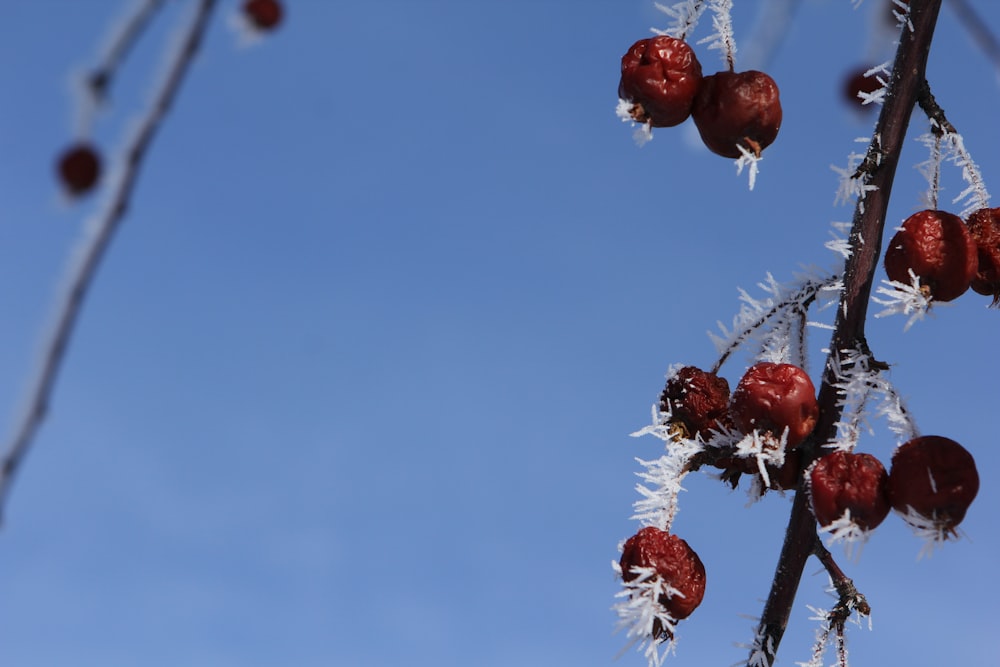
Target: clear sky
[355, 383]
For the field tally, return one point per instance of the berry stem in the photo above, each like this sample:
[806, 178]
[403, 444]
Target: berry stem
[83, 265]
[868, 225]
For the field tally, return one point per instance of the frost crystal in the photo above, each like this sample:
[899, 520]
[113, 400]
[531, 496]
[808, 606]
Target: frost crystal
[858, 383]
[722, 38]
[904, 299]
[777, 323]
[944, 147]
[877, 96]
[641, 615]
[643, 133]
[748, 159]
[685, 17]
[852, 185]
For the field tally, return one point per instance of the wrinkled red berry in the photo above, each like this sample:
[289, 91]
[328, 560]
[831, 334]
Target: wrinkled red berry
[674, 561]
[939, 249]
[856, 83]
[263, 14]
[79, 168]
[660, 76]
[847, 481]
[737, 109]
[697, 400]
[772, 397]
[984, 226]
[936, 478]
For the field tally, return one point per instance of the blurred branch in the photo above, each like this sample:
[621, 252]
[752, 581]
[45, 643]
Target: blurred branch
[97, 235]
[908, 75]
[977, 28]
[100, 78]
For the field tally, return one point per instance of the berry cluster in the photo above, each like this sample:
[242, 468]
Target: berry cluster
[662, 80]
[758, 429]
[944, 256]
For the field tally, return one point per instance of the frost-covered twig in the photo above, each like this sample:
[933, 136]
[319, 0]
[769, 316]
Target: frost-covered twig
[773, 322]
[643, 617]
[685, 17]
[950, 147]
[861, 380]
[722, 39]
[96, 237]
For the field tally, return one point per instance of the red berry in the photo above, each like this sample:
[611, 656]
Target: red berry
[845, 481]
[932, 481]
[939, 249]
[263, 14]
[698, 401]
[984, 226]
[772, 397]
[660, 76]
[855, 83]
[674, 561]
[79, 168]
[737, 109]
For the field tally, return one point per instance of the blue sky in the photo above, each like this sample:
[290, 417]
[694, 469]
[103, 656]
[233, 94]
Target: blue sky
[355, 382]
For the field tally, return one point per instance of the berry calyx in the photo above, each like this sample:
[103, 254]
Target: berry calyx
[660, 76]
[773, 397]
[698, 401]
[79, 167]
[842, 482]
[984, 226]
[856, 84]
[674, 562]
[263, 14]
[938, 248]
[932, 482]
[736, 109]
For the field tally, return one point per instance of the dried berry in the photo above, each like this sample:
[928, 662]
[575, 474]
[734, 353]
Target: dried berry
[660, 76]
[773, 397]
[932, 482]
[856, 84]
[737, 109]
[698, 401]
[938, 248]
[79, 168]
[984, 226]
[849, 482]
[674, 561]
[263, 14]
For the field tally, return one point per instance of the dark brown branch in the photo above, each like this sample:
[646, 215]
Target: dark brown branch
[849, 329]
[83, 267]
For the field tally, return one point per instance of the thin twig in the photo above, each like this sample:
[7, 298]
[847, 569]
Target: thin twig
[83, 266]
[849, 328]
[125, 37]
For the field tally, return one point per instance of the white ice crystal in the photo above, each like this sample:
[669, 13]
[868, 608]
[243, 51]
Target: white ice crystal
[776, 322]
[644, 131]
[881, 74]
[722, 38]
[748, 159]
[852, 186]
[859, 384]
[685, 17]
[903, 299]
[950, 147]
[640, 610]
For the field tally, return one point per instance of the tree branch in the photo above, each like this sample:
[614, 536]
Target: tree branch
[97, 235]
[908, 75]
